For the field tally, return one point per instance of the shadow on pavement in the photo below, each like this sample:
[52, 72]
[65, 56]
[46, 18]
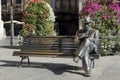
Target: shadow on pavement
[10, 47]
[56, 68]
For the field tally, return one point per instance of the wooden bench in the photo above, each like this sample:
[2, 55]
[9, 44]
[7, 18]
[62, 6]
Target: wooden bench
[57, 46]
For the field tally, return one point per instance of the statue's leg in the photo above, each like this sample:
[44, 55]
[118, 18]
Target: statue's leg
[86, 64]
[80, 52]
[83, 48]
[86, 61]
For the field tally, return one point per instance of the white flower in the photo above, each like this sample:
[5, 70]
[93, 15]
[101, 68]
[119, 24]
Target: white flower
[52, 15]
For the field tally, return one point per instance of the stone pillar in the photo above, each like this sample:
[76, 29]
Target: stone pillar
[80, 5]
[53, 4]
[2, 30]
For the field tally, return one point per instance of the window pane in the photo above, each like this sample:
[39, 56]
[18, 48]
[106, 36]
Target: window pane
[4, 2]
[18, 1]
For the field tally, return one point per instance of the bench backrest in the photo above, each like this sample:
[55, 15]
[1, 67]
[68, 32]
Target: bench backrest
[63, 44]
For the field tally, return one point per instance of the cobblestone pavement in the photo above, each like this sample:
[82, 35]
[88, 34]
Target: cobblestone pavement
[106, 68]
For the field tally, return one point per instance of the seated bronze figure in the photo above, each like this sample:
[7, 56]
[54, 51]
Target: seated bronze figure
[86, 39]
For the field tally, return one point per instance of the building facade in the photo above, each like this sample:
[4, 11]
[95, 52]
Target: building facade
[66, 11]
[18, 6]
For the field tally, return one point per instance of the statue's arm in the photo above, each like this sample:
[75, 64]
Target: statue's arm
[76, 39]
[97, 34]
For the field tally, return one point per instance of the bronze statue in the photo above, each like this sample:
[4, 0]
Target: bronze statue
[86, 39]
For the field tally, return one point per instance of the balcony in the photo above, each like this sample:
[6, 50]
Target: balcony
[17, 8]
[5, 9]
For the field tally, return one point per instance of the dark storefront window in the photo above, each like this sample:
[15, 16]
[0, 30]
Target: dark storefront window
[66, 16]
[18, 1]
[4, 2]
[66, 6]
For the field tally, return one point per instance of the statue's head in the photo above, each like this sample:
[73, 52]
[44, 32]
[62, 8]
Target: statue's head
[87, 23]
[87, 20]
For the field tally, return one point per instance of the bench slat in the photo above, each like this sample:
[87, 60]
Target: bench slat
[30, 53]
[37, 50]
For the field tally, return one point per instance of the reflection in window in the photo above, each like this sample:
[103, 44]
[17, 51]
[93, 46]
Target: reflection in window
[18, 1]
[18, 7]
[4, 2]
[66, 6]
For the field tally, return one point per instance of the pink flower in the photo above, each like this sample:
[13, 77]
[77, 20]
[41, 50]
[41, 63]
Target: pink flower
[106, 9]
[35, 1]
[114, 6]
[91, 7]
[105, 16]
[119, 21]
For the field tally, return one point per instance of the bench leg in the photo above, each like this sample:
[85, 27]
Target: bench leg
[28, 60]
[92, 64]
[23, 58]
[21, 61]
